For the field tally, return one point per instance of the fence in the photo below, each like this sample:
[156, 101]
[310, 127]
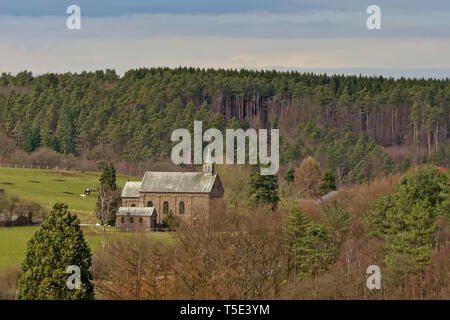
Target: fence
[24, 166]
[109, 229]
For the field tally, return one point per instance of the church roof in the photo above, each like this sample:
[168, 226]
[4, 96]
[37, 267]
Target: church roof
[136, 211]
[131, 189]
[197, 182]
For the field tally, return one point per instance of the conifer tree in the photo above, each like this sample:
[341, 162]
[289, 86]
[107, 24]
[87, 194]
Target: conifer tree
[56, 245]
[108, 176]
[406, 220]
[308, 244]
[336, 220]
[263, 188]
[289, 176]
[328, 182]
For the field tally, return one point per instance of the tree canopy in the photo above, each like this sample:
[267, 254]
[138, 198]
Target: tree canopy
[58, 244]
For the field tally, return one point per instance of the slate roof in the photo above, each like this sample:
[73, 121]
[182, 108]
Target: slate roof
[131, 189]
[136, 211]
[197, 182]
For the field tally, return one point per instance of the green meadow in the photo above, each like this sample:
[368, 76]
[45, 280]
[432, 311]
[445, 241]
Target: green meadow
[49, 186]
[13, 241]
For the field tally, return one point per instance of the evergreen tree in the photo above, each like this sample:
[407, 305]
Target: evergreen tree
[171, 221]
[56, 245]
[108, 176]
[328, 183]
[336, 220]
[406, 219]
[308, 244]
[289, 176]
[263, 188]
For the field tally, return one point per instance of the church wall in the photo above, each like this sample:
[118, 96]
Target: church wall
[128, 202]
[194, 204]
[135, 226]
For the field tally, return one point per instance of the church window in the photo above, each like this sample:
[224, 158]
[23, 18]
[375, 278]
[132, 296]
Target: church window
[165, 207]
[131, 220]
[150, 204]
[140, 220]
[181, 210]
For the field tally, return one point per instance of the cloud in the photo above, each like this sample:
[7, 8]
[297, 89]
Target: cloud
[104, 8]
[123, 53]
[319, 41]
[326, 24]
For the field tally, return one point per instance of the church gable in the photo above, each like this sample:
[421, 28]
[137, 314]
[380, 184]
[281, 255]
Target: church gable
[217, 187]
[131, 189]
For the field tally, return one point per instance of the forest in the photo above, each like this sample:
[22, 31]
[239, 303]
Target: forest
[358, 127]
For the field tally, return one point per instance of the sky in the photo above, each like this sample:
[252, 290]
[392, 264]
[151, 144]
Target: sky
[323, 36]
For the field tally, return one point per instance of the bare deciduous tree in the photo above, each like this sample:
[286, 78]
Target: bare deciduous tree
[107, 206]
[133, 268]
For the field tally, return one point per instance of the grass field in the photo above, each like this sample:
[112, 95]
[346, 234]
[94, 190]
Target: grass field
[49, 186]
[13, 241]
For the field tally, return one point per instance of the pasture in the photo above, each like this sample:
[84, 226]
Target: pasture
[13, 241]
[49, 186]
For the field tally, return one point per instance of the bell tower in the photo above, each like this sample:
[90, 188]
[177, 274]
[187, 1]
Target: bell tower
[209, 167]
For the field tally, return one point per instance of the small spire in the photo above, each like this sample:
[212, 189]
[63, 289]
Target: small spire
[208, 158]
[208, 164]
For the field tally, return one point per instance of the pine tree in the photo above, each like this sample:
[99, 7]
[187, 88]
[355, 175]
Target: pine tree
[263, 188]
[289, 176]
[58, 244]
[336, 220]
[328, 183]
[108, 176]
[308, 244]
[406, 220]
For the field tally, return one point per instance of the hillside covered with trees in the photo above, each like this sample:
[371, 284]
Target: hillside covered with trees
[357, 127]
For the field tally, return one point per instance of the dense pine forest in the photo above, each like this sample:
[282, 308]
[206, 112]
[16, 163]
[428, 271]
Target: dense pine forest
[358, 127]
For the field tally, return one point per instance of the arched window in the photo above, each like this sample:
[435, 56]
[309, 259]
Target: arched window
[131, 219]
[140, 220]
[133, 205]
[122, 220]
[181, 209]
[165, 207]
[150, 204]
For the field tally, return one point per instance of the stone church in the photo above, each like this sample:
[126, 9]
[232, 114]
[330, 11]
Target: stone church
[188, 195]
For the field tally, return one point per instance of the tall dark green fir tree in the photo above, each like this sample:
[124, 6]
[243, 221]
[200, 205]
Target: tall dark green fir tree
[263, 189]
[58, 244]
[108, 176]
